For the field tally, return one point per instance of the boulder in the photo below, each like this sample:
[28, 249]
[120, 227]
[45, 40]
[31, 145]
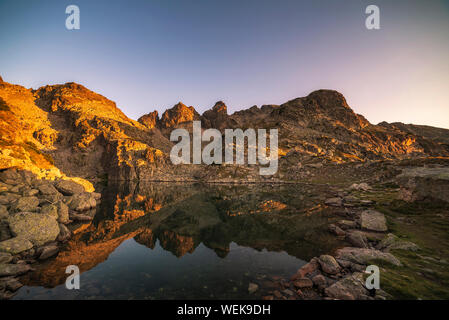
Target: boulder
[392, 242]
[365, 256]
[47, 188]
[5, 257]
[373, 220]
[11, 177]
[357, 239]
[361, 186]
[48, 251]
[37, 228]
[420, 184]
[319, 280]
[3, 212]
[349, 288]
[68, 187]
[51, 210]
[306, 269]
[329, 264]
[82, 202]
[13, 269]
[335, 202]
[303, 283]
[336, 230]
[15, 245]
[64, 233]
[8, 198]
[25, 204]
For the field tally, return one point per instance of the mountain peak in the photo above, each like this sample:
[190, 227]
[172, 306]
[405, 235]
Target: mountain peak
[178, 114]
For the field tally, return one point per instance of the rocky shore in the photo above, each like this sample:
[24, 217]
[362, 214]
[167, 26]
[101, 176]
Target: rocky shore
[341, 275]
[35, 219]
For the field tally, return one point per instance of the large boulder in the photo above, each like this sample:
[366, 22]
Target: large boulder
[392, 242]
[373, 220]
[37, 228]
[15, 245]
[82, 202]
[68, 187]
[365, 256]
[3, 212]
[349, 288]
[418, 184]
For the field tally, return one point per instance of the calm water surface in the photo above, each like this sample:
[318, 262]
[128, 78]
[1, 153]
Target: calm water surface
[169, 241]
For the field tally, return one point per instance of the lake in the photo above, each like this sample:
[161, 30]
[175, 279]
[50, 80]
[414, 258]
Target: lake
[188, 241]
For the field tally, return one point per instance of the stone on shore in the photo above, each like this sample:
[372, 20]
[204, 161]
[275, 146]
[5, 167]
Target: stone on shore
[392, 242]
[5, 257]
[15, 245]
[13, 269]
[335, 202]
[329, 264]
[37, 228]
[365, 256]
[252, 288]
[82, 202]
[68, 187]
[349, 288]
[373, 220]
[357, 239]
[25, 204]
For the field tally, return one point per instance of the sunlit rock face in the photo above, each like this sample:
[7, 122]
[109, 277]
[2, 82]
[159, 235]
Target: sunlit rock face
[69, 130]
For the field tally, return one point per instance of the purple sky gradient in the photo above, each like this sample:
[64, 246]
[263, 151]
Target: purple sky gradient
[148, 55]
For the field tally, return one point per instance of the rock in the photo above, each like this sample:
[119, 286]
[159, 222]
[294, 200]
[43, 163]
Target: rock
[8, 198]
[347, 224]
[303, 283]
[329, 264]
[51, 210]
[10, 176]
[25, 204]
[362, 186]
[335, 202]
[79, 217]
[68, 187]
[64, 233]
[37, 228]
[96, 195]
[82, 202]
[373, 220]
[319, 280]
[288, 292]
[13, 284]
[252, 288]
[48, 251]
[15, 245]
[365, 256]
[357, 239]
[5, 257]
[277, 294]
[336, 230]
[30, 192]
[424, 184]
[3, 212]
[47, 188]
[13, 269]
[5, 234]
[63, 212]
[306, 269]
[268, 298]
[391, 242]
[349, 288]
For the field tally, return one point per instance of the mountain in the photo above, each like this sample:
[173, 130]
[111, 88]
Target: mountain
[69, 130]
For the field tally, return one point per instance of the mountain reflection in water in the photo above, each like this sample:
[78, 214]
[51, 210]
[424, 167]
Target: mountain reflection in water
[188, 241]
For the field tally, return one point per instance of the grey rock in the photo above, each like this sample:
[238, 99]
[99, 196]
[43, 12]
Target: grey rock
[37, 228]
[25, 204]
[373, 220]
[15, 245]
[13, 269]
[329, 264]
[68, 187]
[365, 256]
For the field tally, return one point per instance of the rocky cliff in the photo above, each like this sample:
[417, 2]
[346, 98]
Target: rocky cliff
[68, 130]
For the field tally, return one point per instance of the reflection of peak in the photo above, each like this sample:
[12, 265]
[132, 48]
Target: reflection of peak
[176, 244]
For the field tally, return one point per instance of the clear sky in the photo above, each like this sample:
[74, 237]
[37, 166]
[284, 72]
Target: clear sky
[148, 55]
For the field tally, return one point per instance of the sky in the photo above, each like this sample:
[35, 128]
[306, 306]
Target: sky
[148, 55]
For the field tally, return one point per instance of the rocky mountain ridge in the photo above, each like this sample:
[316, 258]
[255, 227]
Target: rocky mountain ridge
[69, 130]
